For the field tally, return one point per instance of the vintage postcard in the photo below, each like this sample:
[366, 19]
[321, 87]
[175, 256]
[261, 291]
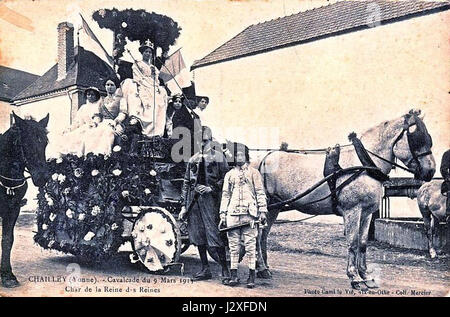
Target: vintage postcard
[224, 148]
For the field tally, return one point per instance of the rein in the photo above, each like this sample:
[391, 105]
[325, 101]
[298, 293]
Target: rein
[390, 162]
[357, 170]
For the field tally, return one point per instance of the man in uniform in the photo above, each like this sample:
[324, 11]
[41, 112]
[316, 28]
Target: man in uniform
[243, 202]
[445, 172]
[200, 200]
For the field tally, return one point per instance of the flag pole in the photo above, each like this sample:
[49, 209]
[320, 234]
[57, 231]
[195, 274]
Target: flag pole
[170, 73]
[91, 33]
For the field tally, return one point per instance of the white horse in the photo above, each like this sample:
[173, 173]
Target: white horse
[288, 174]
[432, 206]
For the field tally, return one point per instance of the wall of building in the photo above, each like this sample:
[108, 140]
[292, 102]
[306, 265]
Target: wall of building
[58, 107]
[5, 110]
[313, 95]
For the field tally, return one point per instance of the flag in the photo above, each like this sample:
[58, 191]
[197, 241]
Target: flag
[174, 73]
[93, 44]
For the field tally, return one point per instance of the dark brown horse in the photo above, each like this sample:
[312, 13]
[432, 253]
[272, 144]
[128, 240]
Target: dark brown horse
[22, 148]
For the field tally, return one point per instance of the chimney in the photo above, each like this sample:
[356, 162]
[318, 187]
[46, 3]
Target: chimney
[65, 48]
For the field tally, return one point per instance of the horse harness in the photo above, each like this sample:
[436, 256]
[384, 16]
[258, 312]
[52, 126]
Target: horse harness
[10, 190]
[332, 169]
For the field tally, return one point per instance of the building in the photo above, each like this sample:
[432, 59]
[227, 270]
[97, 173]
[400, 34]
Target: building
[320, 74]
[12, 81]
[59, 91]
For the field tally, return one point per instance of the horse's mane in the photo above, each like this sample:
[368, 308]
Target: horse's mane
[32, 127]
[385, 128]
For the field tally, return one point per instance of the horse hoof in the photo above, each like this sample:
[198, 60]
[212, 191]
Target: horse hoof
[264, 274]
[371, 284]
[359, 285]
[10, 283]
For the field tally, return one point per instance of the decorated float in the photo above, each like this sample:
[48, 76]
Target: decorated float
[93, 204]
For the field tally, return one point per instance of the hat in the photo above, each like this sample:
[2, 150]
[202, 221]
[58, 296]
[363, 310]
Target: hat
[189, 91]
[94, 89]
[147, 44]
[172, 98]
[198, 98]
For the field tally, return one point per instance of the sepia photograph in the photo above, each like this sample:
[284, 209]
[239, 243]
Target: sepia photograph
[235, 149]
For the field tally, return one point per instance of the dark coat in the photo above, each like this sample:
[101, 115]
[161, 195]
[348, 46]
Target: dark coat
[445, 172]
[445, 165]
[203, 218]
[182, 118]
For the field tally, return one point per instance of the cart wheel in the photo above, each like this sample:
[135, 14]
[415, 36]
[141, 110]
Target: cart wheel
[156, 238]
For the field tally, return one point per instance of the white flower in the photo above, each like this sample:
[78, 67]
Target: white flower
[52, 217]
[89, 236]
[117, 148]
[117, 172]
[51, 243]
[50, 202]
[69, 213]
[44, 227]
[94, 172]
[55, 176]
[114, 226]
[153, 173]
[147, 191]
[95, 211]
[78, 172]
[124, 24]
[81, 217]
[66, 191]
[133, 121]
[61, 178]
[59, 160]
[125, 193]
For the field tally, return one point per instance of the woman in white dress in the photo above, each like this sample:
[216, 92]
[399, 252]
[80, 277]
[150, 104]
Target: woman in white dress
[144, 97]
[94, 126]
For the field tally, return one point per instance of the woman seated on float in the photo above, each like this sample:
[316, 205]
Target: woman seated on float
[144, 98]
[94, 127]
[175, 104]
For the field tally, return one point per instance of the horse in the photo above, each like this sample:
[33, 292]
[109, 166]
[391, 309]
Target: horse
[22, 148]
[432, 206]
[286, 174]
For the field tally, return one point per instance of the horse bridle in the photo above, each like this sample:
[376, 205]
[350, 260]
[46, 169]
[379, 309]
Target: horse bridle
[410, 135]
[23, 180]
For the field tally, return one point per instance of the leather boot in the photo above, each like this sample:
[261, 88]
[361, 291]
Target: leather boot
[234, 278]
[251, 279]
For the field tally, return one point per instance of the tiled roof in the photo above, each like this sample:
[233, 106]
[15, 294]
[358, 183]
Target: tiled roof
[87, 70]
[12, 81]
[340, 17]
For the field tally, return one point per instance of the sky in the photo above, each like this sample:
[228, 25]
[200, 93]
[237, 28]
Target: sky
[28, 27]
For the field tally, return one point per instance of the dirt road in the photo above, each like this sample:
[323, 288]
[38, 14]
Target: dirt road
[307, 259]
